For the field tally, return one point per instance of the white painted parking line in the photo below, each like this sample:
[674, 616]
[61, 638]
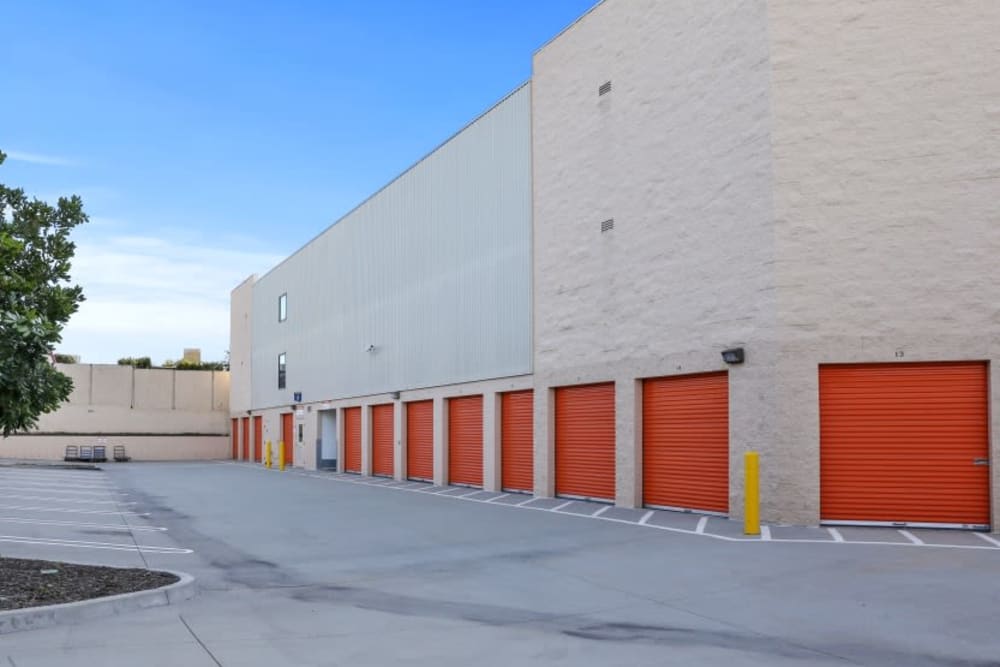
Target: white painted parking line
[79, 544]
[81, 524]
[992, 540]
[559, 507]
[911, 537]
[700, 530]
[20, 479]
[63, 500]
[61, 490]
[470, 493]
[89, 476]
[71, 510]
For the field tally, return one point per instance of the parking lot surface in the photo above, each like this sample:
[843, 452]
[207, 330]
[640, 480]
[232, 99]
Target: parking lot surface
[321, 569]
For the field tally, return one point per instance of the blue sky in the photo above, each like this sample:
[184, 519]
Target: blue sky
[211, 139]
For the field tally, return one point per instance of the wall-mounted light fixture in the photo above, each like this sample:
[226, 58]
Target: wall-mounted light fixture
[395, 395]
[734, 355]
[370, 348]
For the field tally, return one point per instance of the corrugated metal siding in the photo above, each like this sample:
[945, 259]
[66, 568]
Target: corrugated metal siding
[287, 437]
[685, 442]
[465, 440]
[420, 440]
[900, 442]
[258, 439]
[585, 441]
[236, 439]
[434, 271]
[517, 440]
[352, 439]
[246, 438]
[382, 440]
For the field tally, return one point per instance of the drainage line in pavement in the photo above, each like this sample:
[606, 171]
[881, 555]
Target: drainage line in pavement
[198, 639]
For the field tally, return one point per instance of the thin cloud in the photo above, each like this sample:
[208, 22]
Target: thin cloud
[154, 296]
[39, 158]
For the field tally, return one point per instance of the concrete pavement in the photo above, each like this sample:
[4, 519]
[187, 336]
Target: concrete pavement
[315, 570]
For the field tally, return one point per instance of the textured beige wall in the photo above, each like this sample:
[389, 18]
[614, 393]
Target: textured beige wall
[81, 375]
[886, 136]
[111, 385]
[679, 155]
[139, 401]
[220, 391]
[193, 391]
[816, 181]
[140, 448]
[118, 419]
[154, 389]
[240, 345]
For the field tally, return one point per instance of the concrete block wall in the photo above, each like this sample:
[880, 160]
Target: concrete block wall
[161, 414]
[815, 182]
[885, 137]
[678, 155]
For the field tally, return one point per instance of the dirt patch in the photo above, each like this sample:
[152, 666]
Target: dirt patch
[34, 583]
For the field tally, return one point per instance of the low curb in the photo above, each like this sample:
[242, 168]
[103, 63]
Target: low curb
[34, 618]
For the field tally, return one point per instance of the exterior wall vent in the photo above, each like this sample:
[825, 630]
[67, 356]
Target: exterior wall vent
[607, 225]
[604, 89]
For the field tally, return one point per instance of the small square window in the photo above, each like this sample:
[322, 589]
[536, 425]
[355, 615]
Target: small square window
[283, 307]
[281, 371]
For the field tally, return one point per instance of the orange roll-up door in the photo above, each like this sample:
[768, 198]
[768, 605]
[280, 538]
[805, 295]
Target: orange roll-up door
[382, 440]
[685, 442]
[517, 454]
[236, 439]
[420, 440]
[352, 439]
[465, 440]
[258, 438]
[246, 438]
[287, 435]
[585, 441]
[905, 443]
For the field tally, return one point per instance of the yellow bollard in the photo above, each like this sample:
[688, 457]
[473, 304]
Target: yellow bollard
[751, 490]
[281, 455]
[267, 454]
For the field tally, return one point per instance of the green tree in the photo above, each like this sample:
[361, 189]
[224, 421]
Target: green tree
[36, 301]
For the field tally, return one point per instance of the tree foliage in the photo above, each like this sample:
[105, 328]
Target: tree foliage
[185, 365]
[138, 362]
[36, 302]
